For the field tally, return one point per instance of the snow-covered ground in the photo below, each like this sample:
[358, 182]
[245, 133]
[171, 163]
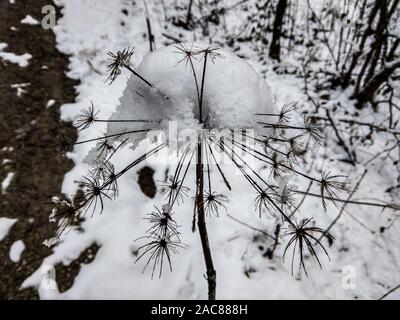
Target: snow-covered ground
[365, 262]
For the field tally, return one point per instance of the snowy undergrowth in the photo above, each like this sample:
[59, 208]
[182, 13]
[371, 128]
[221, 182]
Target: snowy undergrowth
[90, 29]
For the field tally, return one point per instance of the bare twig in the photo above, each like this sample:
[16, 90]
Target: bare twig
[389, 292]
[344, 205]
[148, 24]
[341, 141]
[250, 227]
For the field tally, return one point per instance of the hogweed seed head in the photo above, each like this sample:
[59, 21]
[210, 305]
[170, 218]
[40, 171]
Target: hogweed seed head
[213, 202]
[87, 117]
[62, 145]
[158, 249]
[302, 237]
[119, 60]
[330, 185]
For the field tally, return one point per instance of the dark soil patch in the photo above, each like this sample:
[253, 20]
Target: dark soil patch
[65, 274]
[26, 125]
[146, 182]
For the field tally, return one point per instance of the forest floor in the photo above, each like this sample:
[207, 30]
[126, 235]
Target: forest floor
[27, 130]
[30, 114]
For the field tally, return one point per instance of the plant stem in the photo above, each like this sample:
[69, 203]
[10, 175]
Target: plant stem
[201, 224]
[139, 76]
[195, 80]
[202, 87]
[148, 24]
[111, 136]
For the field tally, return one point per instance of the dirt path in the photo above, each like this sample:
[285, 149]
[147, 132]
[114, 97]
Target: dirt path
[26, 128]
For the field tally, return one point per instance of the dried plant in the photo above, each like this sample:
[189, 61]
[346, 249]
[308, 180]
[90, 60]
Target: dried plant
[119, 60]
[159, 248]
[162, 222]
[213, 202]
[301, 238]
[279, 152]
[87, 117]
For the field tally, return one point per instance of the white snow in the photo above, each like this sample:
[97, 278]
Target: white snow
[5, 225]
[50, 103]
[29, 20]
[16, 250]
[21, 60]
[360, 253]
[6, 182]
[234, 92]
[20, 88]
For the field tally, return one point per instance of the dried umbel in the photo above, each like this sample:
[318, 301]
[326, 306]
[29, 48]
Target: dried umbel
[87, 118]
[302, 237]
[119, 60]
[213, 202]
[273, 142]
[63, 145]
[162, 222]
[158, 249]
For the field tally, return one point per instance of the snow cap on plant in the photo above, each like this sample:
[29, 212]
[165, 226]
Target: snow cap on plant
[233, 93]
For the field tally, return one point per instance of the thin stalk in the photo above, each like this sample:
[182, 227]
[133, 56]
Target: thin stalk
[147, 82]
[125, 120]
[342, 210]
[148, 24]
[248, 149]
[253, 182]
[183, 177]
[219, 167]
[116, 149]
[201, 224]
[251, 227]
[138, 75]
[279, 126]
[195, 80]
[110, 136]
[389, 292]
[392, 206]
[202, 87]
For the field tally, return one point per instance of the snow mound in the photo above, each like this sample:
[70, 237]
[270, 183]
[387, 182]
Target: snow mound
[16, 250]
[5, 226]
[233, 93]
[30, 20]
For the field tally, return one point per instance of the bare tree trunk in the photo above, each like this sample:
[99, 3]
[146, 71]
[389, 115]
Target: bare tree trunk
[357, 54]
[189, 13]
[380, 39]
[201, 224]
[374, 52]
[385, 16]
[367, 93]
[275, 48]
